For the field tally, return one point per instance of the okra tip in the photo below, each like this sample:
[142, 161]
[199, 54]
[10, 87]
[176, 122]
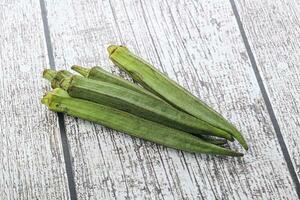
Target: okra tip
[245, 145]
[49, 74]
[111, 49]
[81, 70]
[238, 136]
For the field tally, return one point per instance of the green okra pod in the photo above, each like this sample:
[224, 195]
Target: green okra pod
[141, 105]
[59, 101]
[97, 73]
[158, 83]
[54, 77]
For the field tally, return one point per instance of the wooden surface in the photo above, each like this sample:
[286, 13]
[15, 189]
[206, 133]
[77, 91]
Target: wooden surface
[276, 44]
[212, 48]
[31, 161]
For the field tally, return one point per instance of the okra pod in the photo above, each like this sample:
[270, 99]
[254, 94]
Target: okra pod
[138, 104]
[59, 101]
[154, 81]
[97, 73]
[55, 77]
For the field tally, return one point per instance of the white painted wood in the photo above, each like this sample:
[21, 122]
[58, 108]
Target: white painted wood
[273, 31]
[198, 44]
[31, 160]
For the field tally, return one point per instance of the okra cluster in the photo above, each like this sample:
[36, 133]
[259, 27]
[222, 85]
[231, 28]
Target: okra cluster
[158, 109]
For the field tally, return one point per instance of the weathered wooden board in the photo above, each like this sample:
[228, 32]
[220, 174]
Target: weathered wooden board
[198, 44]
[31, 161]
[273, 32]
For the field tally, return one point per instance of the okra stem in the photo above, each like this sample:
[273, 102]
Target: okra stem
[49, 74]
[81, 70]
[55, 76]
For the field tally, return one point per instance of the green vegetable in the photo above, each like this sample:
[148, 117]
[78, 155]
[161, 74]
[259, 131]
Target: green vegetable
[49, 74]
[138, 104]
[97, 73]
[154, 81]
[59, 101]
[55, 76]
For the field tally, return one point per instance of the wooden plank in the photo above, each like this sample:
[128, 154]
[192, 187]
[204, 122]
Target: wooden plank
[273, 31]
[198, 44]
[31, 160]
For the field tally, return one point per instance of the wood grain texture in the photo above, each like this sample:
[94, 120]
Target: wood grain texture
[198, 44]
[31, 161]
[273, 31]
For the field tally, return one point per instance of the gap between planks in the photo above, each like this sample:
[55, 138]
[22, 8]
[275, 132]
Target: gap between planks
[61, 121]
[267, 101]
